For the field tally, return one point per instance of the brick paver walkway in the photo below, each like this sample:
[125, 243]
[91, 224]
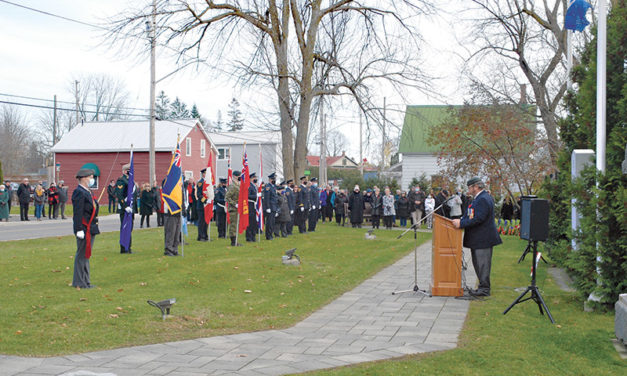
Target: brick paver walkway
[365, 324]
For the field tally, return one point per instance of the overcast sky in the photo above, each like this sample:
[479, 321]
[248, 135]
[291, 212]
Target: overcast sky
[41, 53]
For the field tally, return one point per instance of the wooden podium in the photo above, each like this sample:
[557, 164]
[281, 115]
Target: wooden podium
[446, 261]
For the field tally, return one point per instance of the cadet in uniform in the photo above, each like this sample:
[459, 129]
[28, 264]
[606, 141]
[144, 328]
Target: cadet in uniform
[232, 197]
[121, 190]
[314, 199]
[280, 190]
[270, 205]
[291, 201]
[200, 199]
[221, 209]
[251, 230]
[85, 226]
[302, 205]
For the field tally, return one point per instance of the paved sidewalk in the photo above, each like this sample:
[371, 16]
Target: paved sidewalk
[365, 324]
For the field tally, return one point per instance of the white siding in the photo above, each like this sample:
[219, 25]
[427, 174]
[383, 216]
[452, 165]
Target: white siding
[414, 165]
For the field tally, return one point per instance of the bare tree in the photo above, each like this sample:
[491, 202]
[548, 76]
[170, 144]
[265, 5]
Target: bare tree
[282, 44]
[527, 35]
[15, 140]
[101, 97]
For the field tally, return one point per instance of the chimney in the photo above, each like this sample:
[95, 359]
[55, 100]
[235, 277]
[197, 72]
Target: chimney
[523, 94]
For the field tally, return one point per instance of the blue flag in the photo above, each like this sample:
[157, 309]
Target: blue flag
[127, 223]
[173, 186]
[575, 18]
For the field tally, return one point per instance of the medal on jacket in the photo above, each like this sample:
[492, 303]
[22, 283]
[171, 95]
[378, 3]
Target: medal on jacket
[471, 212]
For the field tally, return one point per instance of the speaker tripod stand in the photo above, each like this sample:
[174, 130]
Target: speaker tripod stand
[535, 293]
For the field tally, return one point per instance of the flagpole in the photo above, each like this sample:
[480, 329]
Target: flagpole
[183, 200]
[259, 227]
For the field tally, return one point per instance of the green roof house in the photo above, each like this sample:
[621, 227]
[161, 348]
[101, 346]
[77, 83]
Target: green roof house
[418, 157]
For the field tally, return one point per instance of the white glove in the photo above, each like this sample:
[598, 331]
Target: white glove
[258, 194]
[80, 234]
[276, 214]
[291, 211]
[313, 207]
[268, 210]
[128, 209]
[236, 206]
[302, 209]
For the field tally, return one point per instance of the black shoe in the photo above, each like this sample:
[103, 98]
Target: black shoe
[479, 293]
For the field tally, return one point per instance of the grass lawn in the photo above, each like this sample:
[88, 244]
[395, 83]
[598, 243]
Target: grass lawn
[219, 289]
[523, 342]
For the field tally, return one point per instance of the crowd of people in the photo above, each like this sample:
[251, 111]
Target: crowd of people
[52, 196]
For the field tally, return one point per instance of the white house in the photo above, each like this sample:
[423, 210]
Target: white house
[231, 146]
[417, 156]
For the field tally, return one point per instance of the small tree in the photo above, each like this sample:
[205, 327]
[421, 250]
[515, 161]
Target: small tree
[162, 106]
[178, 110]
[236, 123]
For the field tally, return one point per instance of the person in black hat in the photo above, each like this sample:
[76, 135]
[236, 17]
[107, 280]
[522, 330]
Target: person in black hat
[302, 205]
[291, 201]
[253, 194]
[201, 201]
[480, 234]
[314, 199]
[85, 223]
[270, 205]
[278, 221]
[221, 208]
[121, 191]
[232, 198]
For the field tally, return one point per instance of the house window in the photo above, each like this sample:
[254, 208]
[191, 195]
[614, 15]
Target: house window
[189, 175]
[188, 147]
[202, 148]
[224, 153]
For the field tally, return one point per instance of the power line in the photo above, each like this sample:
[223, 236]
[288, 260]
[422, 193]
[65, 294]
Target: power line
[72, 103]
[68, 109]
[53, 15]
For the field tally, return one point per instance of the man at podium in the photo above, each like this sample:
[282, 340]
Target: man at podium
[480, 233]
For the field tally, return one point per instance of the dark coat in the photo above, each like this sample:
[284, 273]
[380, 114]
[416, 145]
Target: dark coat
[478, 223]
[291, 198]
[402, 207]
[314, 197]
[507, 210]
[270, 198]
[439, 200]
[377, 205]
[84, 204]
[356, 206]
[220, 194]
[414, 196]
[53, 196]
[284, 209]
[62, 194]
[23, 193]
[146, 202]
[340, 200]
[302, 198]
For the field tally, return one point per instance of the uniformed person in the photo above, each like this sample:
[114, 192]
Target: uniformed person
[85, 221]
[232, 197]
[201, 200]
[121, 191]
[251, 230]
[291, 201]
[314, 199]
[302, 205]
[280, 190]
[220, 208]
[270, 205]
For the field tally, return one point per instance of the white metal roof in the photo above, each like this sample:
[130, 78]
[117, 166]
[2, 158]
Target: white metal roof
[249, 137]
[120, 135]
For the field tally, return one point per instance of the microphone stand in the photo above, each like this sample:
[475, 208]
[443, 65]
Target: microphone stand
[415, 228]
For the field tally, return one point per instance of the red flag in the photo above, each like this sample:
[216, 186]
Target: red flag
[242, 202]
[207, 191]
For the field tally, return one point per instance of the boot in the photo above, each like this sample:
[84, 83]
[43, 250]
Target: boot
[233, 243]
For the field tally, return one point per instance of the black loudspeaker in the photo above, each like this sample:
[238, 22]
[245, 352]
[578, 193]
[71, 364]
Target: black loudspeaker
[534, 219]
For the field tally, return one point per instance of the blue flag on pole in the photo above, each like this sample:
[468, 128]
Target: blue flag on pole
[575, 18]
[173, 186]
[127, 223]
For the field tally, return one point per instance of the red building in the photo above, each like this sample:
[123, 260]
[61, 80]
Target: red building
[105, 147]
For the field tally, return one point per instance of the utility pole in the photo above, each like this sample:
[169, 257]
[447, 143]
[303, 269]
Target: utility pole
[323, 153]
[76, 91]
[54, 122]
[383, 134]
[150, 27]
[361, 147]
